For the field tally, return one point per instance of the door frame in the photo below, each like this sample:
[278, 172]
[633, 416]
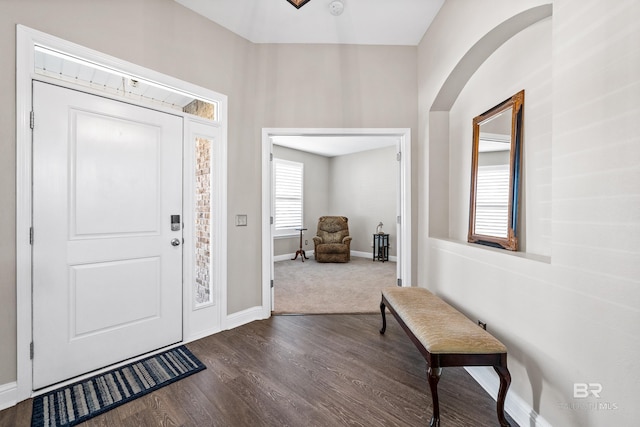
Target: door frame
[26, 41]
[403, 203]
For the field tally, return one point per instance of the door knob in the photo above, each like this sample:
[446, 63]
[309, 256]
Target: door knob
[175, 242]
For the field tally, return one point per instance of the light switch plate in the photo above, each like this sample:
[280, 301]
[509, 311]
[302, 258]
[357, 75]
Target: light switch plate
[241, 220]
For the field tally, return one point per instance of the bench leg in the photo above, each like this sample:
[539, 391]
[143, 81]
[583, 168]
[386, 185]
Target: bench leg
[384, 318]
[434, 377]
[505, 381]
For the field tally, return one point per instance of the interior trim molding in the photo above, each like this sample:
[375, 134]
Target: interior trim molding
[404, 267]
[515, 406]
[369, 255]
[8, 395]
[285, 257]
[26, 41]
[480, 51]
[359, 254]
[245, 316]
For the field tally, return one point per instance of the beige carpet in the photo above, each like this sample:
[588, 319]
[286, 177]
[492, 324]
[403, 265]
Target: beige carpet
[311, 287]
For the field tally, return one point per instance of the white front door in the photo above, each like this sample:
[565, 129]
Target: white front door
[107, 266]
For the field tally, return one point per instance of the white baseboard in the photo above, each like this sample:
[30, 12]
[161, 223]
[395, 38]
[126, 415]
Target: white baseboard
[286, 257]
[200, 334]
[245, 316]
[359, 254]
[514, 405]
[369, 255]
[8, 395]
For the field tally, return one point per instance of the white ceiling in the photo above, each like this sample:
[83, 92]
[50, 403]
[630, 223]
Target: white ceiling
[367, 22]
[334, 145]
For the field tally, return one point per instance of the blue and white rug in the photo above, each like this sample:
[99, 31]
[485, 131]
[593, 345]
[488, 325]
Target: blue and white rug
[75, 403]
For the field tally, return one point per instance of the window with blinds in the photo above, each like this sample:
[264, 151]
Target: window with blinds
[492, 200]
[288, 180]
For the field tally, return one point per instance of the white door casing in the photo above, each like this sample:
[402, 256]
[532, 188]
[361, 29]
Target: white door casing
[204, 319]
[27, 41]
[107, 281]
[404, 221]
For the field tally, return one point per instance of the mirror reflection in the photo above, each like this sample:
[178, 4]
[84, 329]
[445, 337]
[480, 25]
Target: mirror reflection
[495, 174]
[492, 187]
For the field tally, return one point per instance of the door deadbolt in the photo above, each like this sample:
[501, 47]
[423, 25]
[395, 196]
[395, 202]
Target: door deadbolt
[175, 223]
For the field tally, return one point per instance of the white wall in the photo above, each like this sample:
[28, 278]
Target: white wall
[502, 75]
[596, 203]
[571, 316]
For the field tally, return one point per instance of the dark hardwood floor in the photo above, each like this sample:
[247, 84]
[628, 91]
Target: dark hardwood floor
[317, 370]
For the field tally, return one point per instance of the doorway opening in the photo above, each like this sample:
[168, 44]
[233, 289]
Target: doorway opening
[335, 143]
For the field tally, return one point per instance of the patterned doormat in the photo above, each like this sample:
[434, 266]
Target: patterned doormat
[75, 403]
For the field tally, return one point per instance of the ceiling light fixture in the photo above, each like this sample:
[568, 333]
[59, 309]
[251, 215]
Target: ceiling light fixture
[336, 7]
[298, 3]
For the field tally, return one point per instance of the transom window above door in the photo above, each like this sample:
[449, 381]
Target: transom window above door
[61, 66]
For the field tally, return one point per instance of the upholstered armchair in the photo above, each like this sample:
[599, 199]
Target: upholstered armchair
[332, 242]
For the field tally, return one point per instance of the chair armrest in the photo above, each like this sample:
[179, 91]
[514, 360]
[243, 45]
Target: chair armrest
[317, 240]
[347, 240]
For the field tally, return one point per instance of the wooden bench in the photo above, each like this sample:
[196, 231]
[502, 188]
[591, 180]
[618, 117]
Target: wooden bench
[445, 337]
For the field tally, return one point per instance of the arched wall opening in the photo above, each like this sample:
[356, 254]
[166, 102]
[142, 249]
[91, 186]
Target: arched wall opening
[443, 219]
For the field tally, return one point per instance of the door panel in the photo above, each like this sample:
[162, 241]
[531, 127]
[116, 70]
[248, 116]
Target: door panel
[112, 192]
[107, 282]
[97, 288]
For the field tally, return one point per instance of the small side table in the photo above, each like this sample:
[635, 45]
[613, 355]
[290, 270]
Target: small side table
[300, 251]
[381, 247]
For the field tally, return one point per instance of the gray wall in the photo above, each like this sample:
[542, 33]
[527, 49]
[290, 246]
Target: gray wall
[268, 86]
[361, 186]
[364, 188]
[166, 37]
[565, 318]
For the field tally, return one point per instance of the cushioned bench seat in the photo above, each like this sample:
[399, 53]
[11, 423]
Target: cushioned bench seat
[445, 337]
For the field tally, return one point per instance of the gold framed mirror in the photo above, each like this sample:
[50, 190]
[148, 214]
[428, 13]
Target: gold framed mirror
[495, 174]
